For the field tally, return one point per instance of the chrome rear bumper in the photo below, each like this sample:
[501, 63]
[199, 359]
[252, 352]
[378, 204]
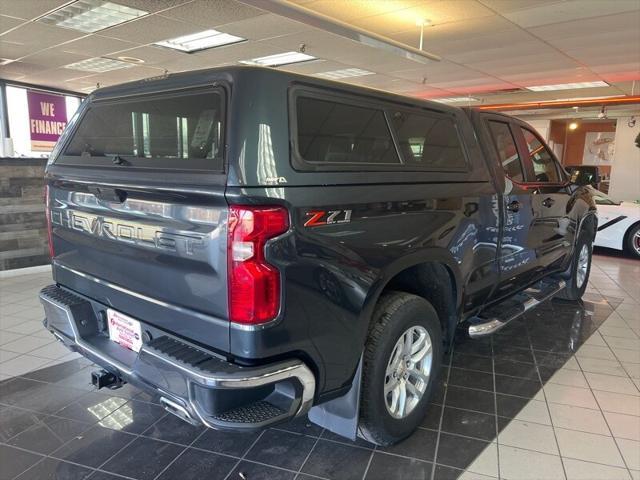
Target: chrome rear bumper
[194, 384]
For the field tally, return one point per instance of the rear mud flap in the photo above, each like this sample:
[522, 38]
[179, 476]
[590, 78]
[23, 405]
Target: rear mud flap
[340, 415]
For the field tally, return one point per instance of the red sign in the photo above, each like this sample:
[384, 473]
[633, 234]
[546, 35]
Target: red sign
[47, 119]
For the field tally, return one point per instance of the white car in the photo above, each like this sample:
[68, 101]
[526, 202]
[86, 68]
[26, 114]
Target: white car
[618, 224]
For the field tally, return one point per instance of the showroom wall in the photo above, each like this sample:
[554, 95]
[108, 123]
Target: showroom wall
[23, 154]
[575, 139]
[625, 174]
[542, 126]
[23, 234]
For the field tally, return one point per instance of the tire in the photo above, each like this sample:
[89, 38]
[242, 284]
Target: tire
[632, 241]
[396, 314]
[577, 276]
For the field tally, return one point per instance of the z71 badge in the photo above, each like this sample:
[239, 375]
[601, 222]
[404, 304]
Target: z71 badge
[317, 218]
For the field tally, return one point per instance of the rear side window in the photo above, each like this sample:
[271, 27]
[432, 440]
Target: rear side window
[429, 142]
[168, 131]
[544, 166]
[337, 133]
[507, 151]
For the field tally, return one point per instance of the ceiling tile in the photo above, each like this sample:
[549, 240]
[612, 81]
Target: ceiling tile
[508, 6]
[38, 36]
[586, 28]
[149, 29]
[569, 10]
[13, 50]
[7, 23]
[21, 68]
[461, 36]
[438, 13]
[54, 57]
[53, 75]
[96, 45]
[529, 63]
[264, 27]
[152, 6]
[212, 14]
[354, 9]
[29, 9]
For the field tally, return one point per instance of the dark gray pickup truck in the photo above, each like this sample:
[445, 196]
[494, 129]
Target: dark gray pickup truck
[253, 245]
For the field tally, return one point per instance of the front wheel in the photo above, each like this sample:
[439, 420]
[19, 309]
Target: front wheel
[632, 241]
[578, 273]
[401, 362]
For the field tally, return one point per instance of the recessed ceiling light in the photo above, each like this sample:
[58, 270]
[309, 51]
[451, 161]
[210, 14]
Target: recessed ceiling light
[131, 60]
[344, 73]
[567, 86]
[279, 59]
[200, 41]
[98, 65]
[454, 99]
[91, 15]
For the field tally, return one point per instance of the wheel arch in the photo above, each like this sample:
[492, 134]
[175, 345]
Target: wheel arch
[627, 233]
[432, 275]
[589, 222]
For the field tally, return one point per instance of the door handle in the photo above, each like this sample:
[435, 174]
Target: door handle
[548, 202]
[513, 206]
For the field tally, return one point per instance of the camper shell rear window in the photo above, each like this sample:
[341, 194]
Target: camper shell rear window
[175, 130]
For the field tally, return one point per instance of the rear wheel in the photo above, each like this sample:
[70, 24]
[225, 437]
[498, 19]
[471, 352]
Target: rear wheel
[578, 273]
[632, 241]
[401, 362]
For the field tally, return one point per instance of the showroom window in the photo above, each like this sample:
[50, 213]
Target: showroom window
[337, 133]
[507, 151]
[429, 142]
[21, 122]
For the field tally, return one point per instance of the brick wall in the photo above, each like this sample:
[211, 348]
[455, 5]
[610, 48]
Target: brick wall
[23, 234]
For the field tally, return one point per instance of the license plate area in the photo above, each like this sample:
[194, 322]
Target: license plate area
[124, 330]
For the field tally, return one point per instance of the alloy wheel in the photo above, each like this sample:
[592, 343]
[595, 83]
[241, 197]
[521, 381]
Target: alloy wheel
[408, 371]
[583, 266]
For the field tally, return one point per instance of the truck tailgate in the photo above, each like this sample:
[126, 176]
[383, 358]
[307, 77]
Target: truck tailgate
[158, 255]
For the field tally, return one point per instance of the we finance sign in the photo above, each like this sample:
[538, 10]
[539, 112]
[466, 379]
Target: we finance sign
[47, 119]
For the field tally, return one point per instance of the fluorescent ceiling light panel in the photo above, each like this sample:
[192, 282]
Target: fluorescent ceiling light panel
[200, 41]
[454, 99]
[279, 59]
[567, 86]
[91, 15]
[98, 64]
[344, 73]
[574, 99]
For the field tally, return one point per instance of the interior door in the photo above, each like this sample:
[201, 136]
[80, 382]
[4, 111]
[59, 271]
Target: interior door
[552, 230]
[517, 257]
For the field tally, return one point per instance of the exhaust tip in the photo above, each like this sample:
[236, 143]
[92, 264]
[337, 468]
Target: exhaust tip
[178, 410]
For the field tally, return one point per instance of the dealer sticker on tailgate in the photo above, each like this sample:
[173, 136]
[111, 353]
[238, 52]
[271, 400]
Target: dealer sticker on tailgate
[124, 330]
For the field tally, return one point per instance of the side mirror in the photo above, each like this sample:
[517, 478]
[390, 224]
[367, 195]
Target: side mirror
[584, 175]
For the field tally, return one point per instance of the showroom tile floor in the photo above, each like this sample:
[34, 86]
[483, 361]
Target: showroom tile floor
[553, 396]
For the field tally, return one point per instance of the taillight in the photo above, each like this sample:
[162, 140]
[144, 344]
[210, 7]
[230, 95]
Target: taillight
[47, 210]
[254, 284]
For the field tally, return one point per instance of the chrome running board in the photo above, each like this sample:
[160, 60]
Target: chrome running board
[497, 316]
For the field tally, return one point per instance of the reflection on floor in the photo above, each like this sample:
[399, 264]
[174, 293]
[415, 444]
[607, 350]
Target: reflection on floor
[555, 395]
